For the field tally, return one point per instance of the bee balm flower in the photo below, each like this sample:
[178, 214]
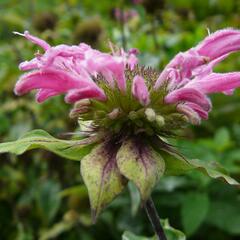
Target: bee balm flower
[130, 107]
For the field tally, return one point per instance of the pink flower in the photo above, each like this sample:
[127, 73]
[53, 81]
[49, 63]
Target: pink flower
[189, 75]
[81, 72]
[72, 70]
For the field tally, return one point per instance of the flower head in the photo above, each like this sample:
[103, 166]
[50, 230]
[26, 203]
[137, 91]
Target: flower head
[130, 107]
[116, 81]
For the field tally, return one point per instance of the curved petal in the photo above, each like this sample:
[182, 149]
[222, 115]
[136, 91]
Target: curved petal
[50, 79]
[220, 43]
[216, 82]
[35, 40]
[88, 92]
[188, 95]
[191, 114]
[201, 112]
[44, 94]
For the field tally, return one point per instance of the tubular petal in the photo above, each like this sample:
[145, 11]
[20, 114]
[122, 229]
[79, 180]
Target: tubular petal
[35, 40]
[140, 90]
[201, 112]
[56, 80]
[216, 82]
[192, 116]
[188, 95]
[44, 94]
[220, 43]
[88, 92]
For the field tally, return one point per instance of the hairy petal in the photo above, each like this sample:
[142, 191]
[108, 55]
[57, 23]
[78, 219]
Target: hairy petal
[140, 90]
[206, 69]
[220, 43]
[183, 63]
[51, 79]
[201, 112]
[88, 92]
[216, 82]
[35, 40]
[44, 94]
[188, 95]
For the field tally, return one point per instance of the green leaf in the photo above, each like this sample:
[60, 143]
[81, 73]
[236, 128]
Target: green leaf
[140, 164]
[170, 232]
[212, 170]
[41, 139]
[194, 210]
[102, 177]
[175, 165]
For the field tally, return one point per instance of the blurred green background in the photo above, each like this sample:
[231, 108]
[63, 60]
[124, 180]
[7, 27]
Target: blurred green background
[41, 194]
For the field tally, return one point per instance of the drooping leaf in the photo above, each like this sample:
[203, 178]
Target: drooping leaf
[40, 139]
[101, 176]
[175, 165]
[213, 170]
[194, 210]
[139, 163]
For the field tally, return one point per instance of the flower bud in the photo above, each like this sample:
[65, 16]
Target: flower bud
[150, 114]
[160, 120]
[133, 115]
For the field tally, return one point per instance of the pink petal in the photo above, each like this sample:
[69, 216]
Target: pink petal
[88, 92]
[57, 80]
[29, 65]
[201, 112]
[220, 43]
[206, 69]
[184, 63]
[35, 40]
[193, 116]
[44, 94]
[188, 95]
[140, 90]
[216, 82]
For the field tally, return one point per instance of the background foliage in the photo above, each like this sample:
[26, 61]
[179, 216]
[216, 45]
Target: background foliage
[41, 194]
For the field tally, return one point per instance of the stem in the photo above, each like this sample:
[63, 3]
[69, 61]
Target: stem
[154, 219]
